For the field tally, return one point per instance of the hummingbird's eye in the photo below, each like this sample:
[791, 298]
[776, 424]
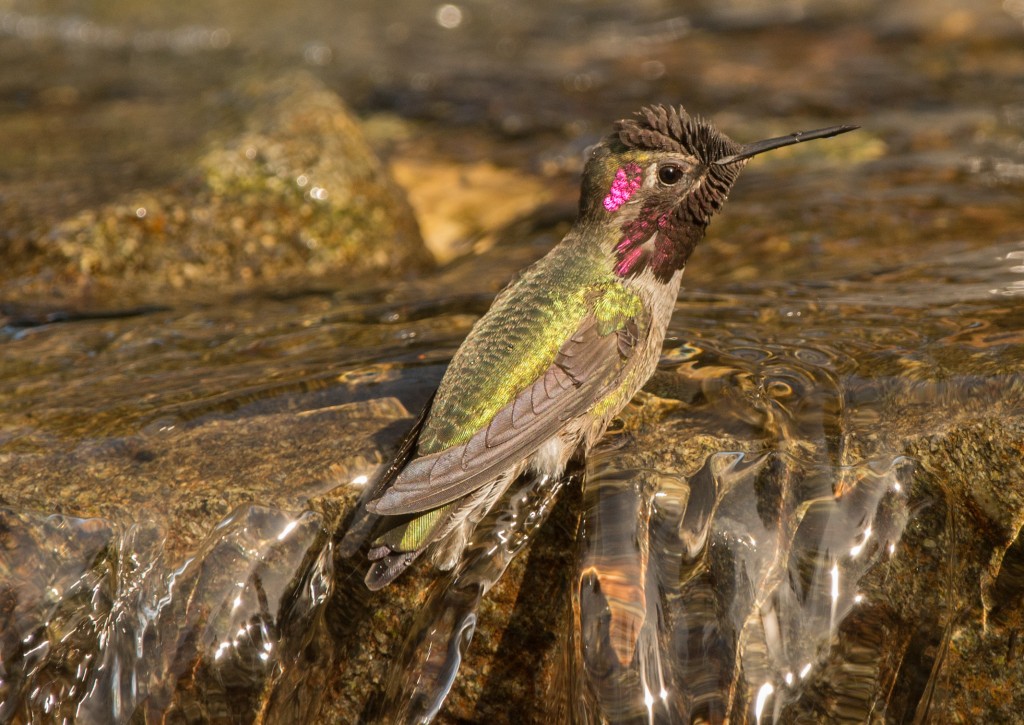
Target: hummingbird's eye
[670, 174]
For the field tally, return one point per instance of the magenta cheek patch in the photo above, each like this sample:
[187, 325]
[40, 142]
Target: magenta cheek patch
[627, 181]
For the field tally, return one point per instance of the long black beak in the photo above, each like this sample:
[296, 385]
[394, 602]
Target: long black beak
[759, 147]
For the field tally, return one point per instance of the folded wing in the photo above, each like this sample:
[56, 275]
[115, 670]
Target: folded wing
[587, 367]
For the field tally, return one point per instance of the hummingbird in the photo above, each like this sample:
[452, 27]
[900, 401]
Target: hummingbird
[565, 346]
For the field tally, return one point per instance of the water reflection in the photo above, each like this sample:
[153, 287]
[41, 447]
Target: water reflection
[97, 631]
[720, 595]
[422, 677]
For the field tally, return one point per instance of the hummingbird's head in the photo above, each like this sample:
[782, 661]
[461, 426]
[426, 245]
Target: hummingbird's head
[659, 178]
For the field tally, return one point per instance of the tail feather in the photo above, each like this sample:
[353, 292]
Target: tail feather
[362, 521]
[387, 567]
[393, 552]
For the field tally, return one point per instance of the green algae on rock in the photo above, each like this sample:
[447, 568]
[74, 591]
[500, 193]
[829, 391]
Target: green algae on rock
[297, 196]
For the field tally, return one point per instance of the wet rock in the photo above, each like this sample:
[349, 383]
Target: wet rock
[459, 204]
[296, 198]
[93, 627]
[185, 477]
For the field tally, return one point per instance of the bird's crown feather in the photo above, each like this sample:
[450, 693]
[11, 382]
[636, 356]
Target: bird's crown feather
[672, 129]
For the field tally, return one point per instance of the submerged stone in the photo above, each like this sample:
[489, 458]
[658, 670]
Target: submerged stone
[296, 198]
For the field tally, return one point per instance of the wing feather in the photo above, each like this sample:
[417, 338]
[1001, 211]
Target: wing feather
[586, 368]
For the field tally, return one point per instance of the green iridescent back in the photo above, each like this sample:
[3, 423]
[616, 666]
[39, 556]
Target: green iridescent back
[519, 337]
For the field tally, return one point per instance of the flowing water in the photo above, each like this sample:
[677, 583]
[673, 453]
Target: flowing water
[812, 513]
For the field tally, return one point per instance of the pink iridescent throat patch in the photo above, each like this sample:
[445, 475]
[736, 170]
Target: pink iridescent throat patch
[627, 181]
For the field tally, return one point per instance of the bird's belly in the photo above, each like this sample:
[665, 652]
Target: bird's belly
[550, 458]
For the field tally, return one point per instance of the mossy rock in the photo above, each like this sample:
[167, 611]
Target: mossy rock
[296, 197]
